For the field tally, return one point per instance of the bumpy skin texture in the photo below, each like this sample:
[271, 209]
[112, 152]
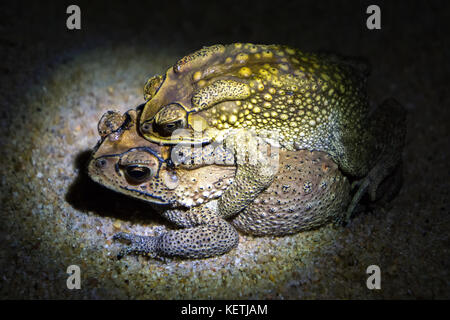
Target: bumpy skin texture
[114, 159]
[315, 102]
[309, 191]
[304, 101]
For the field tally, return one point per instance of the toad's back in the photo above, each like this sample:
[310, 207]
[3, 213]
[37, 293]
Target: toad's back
[311, 101]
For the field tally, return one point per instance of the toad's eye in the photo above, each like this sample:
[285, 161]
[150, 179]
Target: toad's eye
[170, 118]
[167, 129]
[138, 174]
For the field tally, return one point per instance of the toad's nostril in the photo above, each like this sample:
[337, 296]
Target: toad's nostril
[146, 127]
[100, 163]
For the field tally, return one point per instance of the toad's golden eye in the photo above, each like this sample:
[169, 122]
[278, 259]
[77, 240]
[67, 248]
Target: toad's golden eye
[170, 118]
[166, 129]
[138, 174]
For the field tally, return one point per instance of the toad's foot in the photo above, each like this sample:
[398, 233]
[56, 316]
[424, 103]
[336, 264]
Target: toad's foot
[390, 129]
[379, 184]
[257, 165]
[214, 236]
[144, 245]
[214, 239]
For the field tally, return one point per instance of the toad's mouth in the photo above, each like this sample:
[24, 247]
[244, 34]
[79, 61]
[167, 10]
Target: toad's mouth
[154, 198]
[185, 136]
[111, 183]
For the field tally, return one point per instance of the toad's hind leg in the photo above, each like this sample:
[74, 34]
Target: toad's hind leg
[389, 128]
[205, 235]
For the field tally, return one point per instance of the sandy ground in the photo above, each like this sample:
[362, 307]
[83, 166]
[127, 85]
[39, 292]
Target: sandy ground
[56, 84]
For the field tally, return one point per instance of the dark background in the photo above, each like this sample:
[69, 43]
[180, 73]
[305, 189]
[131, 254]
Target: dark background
[33, 36]
[409, 58]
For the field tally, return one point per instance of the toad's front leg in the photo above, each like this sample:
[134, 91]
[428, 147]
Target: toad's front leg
[257, 164]
[205, 235]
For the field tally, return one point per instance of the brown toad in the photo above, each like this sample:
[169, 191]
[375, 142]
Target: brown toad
[308, 191]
